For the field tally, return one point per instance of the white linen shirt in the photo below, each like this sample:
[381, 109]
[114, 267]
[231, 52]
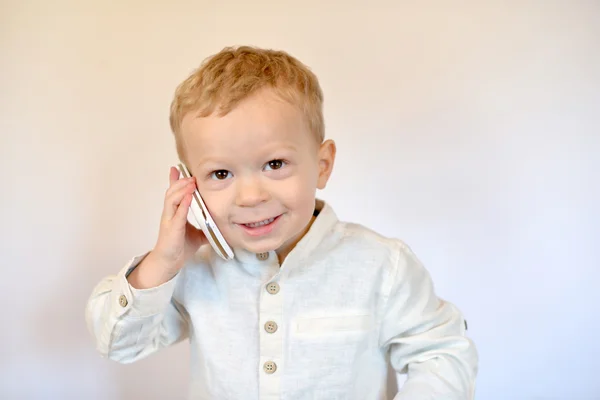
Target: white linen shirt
[323, 325]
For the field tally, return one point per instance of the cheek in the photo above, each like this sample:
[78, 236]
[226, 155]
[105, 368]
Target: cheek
[217, 205]
[298, 192]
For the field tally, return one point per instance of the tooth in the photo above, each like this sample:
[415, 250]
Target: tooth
[260, 223]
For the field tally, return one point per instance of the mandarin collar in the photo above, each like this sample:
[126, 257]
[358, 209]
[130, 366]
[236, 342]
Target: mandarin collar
[320, 227]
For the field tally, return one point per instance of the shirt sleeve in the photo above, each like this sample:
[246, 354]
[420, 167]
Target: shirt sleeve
[426, 337]
[129, 324]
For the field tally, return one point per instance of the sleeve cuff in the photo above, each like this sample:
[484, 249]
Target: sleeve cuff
[139, 303]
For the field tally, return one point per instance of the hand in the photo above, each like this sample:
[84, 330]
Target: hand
[177, 241]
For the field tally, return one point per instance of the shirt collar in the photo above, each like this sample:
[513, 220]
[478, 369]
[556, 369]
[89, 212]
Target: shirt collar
[319, 229]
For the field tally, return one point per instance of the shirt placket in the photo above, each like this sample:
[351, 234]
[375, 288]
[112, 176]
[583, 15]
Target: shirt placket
[271, 337]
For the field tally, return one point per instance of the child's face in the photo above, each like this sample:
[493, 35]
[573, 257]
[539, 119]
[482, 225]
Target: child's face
[258, 168]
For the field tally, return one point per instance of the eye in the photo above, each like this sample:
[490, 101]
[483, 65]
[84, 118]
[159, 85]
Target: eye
[275, 164]
[220, 174]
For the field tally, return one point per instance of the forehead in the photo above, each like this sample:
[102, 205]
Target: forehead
[260, 119]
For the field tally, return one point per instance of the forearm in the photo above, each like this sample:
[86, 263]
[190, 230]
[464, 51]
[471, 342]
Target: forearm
[445, 376]
[426, 337]
[150, 273]
[128, 324]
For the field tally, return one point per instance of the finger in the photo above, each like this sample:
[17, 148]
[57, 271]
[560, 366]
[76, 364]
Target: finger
[182, 210]
[174, 198]
[177, 185]
[173, 175]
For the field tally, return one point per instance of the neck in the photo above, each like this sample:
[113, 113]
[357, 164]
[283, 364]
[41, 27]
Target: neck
[284, 250]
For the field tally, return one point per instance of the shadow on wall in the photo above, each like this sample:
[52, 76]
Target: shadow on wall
[169, 368]
[66, 364]
[58, 350]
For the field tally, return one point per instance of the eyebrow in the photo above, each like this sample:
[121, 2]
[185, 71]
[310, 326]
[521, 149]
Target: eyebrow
[288, 147]
[209, 160]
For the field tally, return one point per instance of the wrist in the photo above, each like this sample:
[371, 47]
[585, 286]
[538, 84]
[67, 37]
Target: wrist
[152, 271]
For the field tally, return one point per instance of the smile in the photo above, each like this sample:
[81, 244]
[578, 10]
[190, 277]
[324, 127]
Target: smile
[260, 228]
[260, 223]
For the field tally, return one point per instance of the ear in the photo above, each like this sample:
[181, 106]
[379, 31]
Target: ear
[326, 157]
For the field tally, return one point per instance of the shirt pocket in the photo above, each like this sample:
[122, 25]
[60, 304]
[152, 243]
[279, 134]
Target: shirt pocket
[320, 326]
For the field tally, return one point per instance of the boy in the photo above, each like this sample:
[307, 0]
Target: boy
[310, 307]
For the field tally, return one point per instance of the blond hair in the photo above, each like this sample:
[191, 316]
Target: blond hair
[233, 74]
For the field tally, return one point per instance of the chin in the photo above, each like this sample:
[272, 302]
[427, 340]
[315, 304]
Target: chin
[263, 245]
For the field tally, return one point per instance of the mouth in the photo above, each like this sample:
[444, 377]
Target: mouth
[260, 228]
[259, 223]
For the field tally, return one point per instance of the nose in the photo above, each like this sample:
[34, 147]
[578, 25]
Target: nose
[250, 192]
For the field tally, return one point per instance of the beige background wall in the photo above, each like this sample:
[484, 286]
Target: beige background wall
[471, 131]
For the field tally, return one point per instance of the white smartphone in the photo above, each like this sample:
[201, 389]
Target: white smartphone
[199, 212]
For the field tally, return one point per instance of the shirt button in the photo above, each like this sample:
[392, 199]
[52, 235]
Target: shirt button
[262, 256]
[271, 327]
[273, 288]
[270, 367]
[123, 300]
